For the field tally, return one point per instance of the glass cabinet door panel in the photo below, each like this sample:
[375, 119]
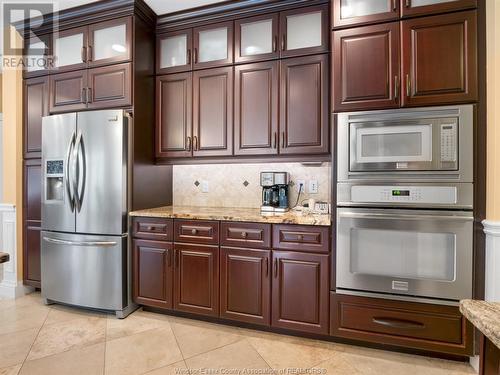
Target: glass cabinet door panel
[359, 8]
[420, 3]
[213, 45]
[68, 49]
[173, 51]
[36, 60]
[257, 38]
[110, 42]
[304, 31]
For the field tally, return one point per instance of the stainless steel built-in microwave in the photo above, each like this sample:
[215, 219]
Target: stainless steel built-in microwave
[418, 143]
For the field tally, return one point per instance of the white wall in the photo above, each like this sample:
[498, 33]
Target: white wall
[1, 157]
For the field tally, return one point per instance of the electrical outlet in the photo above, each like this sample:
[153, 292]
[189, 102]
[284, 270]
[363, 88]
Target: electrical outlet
[299, 183]
[313, 187]
[204, 186]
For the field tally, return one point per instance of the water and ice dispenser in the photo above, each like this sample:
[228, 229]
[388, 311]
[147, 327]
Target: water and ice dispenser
[54, 184]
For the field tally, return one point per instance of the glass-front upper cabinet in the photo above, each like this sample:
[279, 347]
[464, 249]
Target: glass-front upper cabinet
[38, 50]
[213, 45]
[110, 42]
[423, 7]
[70, 49]
[173, 52]
[351, 12]
[256, 38]
[304, 31]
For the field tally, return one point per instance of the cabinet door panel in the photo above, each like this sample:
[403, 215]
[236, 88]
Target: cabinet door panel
[256, 108]
[39, 50]
[32, 190]
[440, 59]
[352, 12]
[110, 86]
[174, 52]
[213, 45]
[153, 273]
[256, 38]
[32, 266]
[425, 7]
[36, 94]
[304, 31]
[300, 292]
[110, 42]
[173, 115]
[366, 67]
[245, 285]
[197, 279]
[304, 124]
[213, 112]
[68, 91]
[70, 49]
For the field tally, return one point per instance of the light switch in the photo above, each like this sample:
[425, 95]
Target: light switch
[313, 186]
[204, 186]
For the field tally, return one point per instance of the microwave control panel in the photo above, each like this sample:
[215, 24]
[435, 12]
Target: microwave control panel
[449, 142]
[404, 194]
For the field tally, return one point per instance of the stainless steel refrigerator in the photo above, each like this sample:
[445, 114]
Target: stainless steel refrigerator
[85, 252]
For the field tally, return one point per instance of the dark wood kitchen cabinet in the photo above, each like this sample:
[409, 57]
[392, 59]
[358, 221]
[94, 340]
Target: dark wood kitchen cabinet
[213, 45]
[304, 124]
[102, 87]
[411, 8]
[256, 93]
[32, 222]
[213, 112]
[300, 291]
[174, 52]
[36, 95]
[440, 59]
[366, 70]
[256, 38]
[153, 273]
[39, 50]
[489, 363]
[174, 125]
[245, 285]
[196, 279]
[358, 12]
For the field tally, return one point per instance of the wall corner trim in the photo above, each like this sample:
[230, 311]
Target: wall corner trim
[491, 228]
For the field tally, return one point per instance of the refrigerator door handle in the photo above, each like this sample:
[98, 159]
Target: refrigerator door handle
[81, 243]
[69, 173]
[79, 154]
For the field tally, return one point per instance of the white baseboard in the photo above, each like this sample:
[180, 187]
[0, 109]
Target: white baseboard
[474, 362]
[492, 271]
[13, 290]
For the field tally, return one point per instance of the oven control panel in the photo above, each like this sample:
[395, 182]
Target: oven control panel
[404, 194]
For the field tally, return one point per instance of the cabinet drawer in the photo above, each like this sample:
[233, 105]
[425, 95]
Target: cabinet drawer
[253, 235]
[408, 324]
[153, 229]
[198, 231]
[301, 238]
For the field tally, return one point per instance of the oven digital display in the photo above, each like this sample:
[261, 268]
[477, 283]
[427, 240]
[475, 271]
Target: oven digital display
[401, 193]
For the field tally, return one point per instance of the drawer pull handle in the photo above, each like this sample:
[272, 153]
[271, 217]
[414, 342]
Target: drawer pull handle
[151, 228]
[398, 323]
[194, 231]
[244, 234]
[300, 237]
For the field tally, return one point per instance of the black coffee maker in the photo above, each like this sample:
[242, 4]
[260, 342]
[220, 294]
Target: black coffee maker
[274, 191]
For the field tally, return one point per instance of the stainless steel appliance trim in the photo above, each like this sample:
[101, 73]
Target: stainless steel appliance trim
[76, 168]
[69, 171]
[397, 297]
[397, 216]
[81, 158]
[80, 243]
[465, 129]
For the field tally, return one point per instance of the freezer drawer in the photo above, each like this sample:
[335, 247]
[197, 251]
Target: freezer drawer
[85, 270]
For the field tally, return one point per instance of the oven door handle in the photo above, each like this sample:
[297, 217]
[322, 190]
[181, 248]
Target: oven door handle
[363, 215]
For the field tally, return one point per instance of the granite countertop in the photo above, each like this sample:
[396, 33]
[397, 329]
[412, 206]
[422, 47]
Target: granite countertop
[252, 215]
[485, 316]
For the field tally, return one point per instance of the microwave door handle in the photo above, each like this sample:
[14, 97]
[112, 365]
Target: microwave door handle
[69, 174]
[359, 215]
[80, 243]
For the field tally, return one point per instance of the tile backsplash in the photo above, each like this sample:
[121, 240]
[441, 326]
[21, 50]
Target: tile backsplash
[238, 185]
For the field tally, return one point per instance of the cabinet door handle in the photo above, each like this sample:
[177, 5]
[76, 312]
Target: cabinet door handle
[283, 42]
[84, 54]
[275, 43]
[276, 268]
[398, 323]
[89, 95]
[283, 140]
[84, 95]
[394, 6]
[176, 258]
[267, 266]
[408, 3]
[189, 143]
[89, 53]
[396, 88]
[195, 55]
[194, 231]
[275, 144]
[189, 57]
[195, 143]
[408, 86]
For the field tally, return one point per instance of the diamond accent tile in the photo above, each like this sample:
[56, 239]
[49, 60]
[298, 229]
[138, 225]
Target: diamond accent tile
[246, 183]
[197, 183]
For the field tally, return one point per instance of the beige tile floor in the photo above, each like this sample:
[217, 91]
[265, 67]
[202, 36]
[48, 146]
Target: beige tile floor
[39, 339]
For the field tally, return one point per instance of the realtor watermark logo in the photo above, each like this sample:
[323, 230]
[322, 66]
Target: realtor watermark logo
[39, 22]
